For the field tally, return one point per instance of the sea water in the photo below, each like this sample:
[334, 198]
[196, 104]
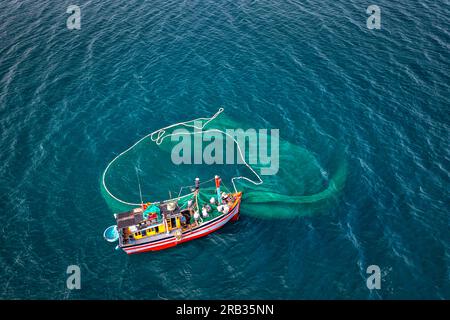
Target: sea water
[367, 109]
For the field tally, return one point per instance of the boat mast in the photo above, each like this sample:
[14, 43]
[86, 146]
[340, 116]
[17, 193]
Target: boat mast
[197, 190]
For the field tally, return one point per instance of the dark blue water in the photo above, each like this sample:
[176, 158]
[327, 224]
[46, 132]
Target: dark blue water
[71, 100]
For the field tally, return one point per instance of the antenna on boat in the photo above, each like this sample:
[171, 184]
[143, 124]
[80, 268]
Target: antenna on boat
[139, 184]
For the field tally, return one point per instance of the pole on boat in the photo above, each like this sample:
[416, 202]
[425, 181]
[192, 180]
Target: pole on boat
[139, 184]
[197, 188]
[218, 180]
[197, 184]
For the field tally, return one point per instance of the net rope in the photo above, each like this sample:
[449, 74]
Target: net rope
[160, 135]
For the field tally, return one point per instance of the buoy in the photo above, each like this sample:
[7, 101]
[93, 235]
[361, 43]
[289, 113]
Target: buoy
[190, 203]
[196, 215]
[204, 212]
[212, 200]
[220, 208]
[111, 234]
[226, 209]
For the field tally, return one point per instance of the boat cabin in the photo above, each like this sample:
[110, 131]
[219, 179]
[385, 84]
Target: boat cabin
[136, 225]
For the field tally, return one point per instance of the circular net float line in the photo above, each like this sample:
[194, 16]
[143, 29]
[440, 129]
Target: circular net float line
[161, 136]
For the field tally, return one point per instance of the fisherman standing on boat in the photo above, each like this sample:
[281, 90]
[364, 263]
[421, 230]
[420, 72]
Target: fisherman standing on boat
[183, 220]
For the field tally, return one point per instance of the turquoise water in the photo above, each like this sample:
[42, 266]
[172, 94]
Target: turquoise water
[368, 109]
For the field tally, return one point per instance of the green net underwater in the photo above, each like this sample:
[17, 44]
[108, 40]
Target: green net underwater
[163, 165]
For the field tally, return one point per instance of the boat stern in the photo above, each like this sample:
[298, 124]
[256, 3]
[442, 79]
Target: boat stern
[238, 196]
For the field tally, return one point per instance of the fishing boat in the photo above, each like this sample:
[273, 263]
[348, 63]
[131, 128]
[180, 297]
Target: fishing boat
[166, 224]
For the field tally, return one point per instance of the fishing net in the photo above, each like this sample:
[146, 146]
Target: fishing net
[151, 169]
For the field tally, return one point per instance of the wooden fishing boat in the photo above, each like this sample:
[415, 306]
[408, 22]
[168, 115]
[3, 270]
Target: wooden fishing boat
[162, 225]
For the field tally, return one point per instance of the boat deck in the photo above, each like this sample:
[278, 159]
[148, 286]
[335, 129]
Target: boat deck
[169, 232]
